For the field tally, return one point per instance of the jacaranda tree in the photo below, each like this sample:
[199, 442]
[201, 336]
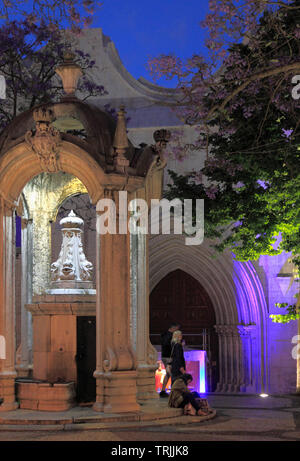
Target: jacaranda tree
[73, 14]
[244, 101]
[29, 54]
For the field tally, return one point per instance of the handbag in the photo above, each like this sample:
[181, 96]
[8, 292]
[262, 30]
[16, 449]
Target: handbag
[169, 362]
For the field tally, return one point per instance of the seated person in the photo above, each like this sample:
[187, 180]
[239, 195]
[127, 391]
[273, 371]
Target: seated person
[181, 397]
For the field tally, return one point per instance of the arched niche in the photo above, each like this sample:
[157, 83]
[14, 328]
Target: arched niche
[81, 205]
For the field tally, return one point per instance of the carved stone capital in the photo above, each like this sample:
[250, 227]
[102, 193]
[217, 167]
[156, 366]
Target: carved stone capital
[24, 223]
[6, 206]
[246, 330]
[227, 330]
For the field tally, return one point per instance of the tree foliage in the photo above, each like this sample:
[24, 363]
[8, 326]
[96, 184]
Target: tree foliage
[248, 122]
[29, 54]
[74, 14]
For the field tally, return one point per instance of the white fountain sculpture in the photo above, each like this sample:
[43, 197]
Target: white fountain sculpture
[71, 273]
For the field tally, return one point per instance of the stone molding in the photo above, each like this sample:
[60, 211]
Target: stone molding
[6, 206]
[247, 330]
[63, 308]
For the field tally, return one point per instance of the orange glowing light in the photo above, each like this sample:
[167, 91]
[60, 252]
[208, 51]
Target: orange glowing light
[159, 377]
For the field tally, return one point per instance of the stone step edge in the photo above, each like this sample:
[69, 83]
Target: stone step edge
[129, 417]
[177, 420]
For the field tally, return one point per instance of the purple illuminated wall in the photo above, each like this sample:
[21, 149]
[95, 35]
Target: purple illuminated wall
[267, 349]
[252, 312]
[18, 231]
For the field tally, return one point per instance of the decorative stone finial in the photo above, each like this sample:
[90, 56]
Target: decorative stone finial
[69, 73]
[43, 115]
[120, 143]
[71, 273]
[72, 220]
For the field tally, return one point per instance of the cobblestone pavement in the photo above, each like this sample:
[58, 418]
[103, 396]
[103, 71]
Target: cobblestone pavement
[239, 418]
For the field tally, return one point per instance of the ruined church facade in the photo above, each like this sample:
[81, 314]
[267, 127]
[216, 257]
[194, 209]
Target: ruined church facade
[222, 305]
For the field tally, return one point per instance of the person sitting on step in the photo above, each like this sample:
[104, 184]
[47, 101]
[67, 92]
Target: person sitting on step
[181, 397]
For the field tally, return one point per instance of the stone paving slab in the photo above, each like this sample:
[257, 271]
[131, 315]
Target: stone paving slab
[274, 419]
[251, 401]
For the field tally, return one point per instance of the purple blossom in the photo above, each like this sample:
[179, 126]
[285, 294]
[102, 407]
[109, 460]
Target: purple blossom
[287, 133]
[211, 192]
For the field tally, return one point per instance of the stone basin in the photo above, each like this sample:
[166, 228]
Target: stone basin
[38, 395]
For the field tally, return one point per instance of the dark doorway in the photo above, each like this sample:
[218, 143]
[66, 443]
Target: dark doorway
[86, 359]
[179, 297]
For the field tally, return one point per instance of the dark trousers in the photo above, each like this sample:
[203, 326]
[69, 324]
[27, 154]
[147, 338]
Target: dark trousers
[189, 398]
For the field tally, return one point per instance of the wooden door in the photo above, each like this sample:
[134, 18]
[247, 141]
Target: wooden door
[180, 298]
[86, 359]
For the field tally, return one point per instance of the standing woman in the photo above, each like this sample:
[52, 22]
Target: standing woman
[178, 362]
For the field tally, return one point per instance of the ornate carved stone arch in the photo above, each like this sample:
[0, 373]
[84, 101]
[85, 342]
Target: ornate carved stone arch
[99, 162]
[20, 164]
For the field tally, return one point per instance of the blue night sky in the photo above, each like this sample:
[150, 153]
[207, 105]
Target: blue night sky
[143, 28]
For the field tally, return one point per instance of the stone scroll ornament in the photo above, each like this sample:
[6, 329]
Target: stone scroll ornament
[45, 141]
[72, 270]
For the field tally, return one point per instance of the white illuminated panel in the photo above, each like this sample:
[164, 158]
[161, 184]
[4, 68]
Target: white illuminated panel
[198, 356]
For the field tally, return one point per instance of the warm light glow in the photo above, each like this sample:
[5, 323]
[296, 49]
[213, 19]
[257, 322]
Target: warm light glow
[159, 377]
[264, 395]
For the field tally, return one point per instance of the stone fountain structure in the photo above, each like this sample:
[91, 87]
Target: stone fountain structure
[71, 273]
[71, 294]
[106, 163]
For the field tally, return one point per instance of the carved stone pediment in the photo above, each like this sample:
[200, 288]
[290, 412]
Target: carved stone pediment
[45, 141]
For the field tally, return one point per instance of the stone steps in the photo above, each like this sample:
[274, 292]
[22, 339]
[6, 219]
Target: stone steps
[153, 413]
[111, 425]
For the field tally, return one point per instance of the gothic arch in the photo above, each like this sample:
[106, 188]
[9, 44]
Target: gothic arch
[238, 299]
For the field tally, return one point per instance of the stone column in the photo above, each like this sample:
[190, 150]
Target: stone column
[25, 365]
[230, 359]
[7, 306]
[145, 352]
[116, 372]
[247, 334]
[41, 251]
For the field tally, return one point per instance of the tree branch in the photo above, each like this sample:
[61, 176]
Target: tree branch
[259, 76]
